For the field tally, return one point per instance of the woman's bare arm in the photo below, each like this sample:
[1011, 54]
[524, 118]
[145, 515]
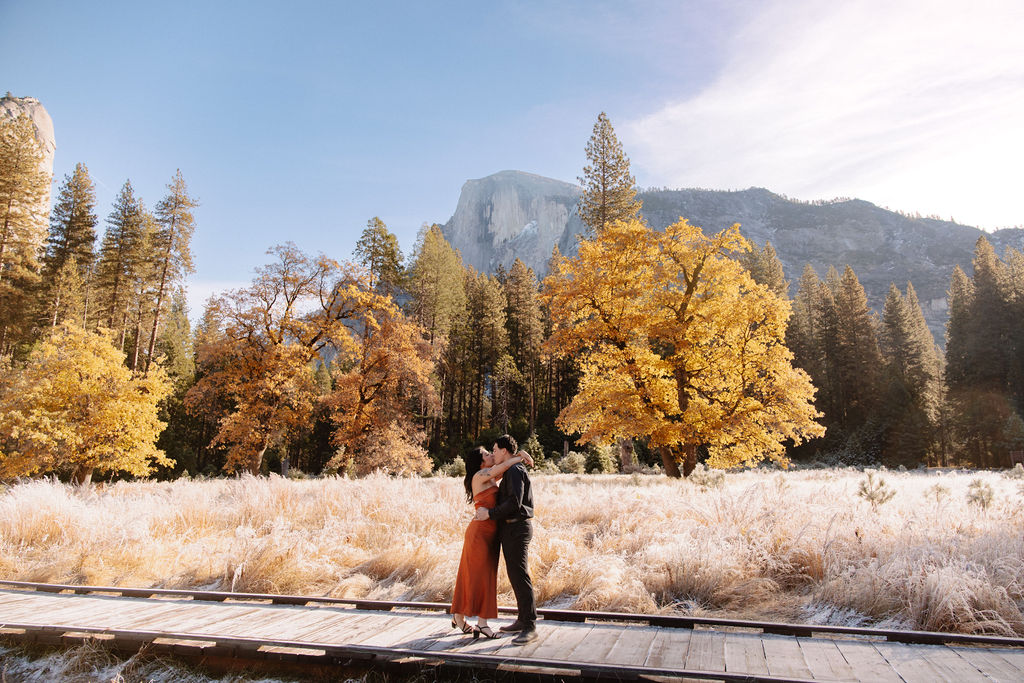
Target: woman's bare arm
[498, 470]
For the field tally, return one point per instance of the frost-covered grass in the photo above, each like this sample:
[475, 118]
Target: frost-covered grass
[795, 546]
[90, 663]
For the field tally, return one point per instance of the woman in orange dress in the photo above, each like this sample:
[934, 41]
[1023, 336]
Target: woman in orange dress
[476, 586]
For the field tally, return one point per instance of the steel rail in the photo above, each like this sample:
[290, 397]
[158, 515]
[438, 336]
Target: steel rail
[663, 620]
[237, 646]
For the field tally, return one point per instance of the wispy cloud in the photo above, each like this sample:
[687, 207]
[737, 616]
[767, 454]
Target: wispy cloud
[914, 105]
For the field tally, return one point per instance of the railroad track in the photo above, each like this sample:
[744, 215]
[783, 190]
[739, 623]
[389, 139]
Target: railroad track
[331, 631]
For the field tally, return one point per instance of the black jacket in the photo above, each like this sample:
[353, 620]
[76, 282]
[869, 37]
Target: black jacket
[515, 495]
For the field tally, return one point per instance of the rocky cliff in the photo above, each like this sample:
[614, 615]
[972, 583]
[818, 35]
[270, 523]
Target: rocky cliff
[513, 215]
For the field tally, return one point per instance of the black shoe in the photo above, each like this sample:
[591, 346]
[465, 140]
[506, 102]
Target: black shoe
[525, 636]
[484, 631]
[513, 627]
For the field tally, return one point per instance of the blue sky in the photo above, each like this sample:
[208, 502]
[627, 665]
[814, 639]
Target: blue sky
[300, 121]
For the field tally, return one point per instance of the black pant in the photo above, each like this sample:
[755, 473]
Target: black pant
[515, 539]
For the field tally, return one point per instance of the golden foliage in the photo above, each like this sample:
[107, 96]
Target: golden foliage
[370, 402]
[74, 406]
[677, 344]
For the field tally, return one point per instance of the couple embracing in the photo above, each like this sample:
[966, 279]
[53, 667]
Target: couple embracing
[503, 514]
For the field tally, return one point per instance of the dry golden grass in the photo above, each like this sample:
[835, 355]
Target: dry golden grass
[791, 546]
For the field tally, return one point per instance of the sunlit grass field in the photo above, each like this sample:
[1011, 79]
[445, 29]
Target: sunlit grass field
[792, 546]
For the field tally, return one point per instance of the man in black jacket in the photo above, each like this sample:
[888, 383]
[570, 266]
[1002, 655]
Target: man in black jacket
[513, 514]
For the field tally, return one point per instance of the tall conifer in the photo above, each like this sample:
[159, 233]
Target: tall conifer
[378, 250]
[525, 331]
[172, 250]
[118, 259]
[24, 185]
[609, 192]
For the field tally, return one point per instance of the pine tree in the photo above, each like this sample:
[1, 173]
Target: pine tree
[143, 282]
[72, 236]
[1014, 261]
[858, 357]
[118, 258]
[172, 247]
[24, 186]
[766, 269]
[958, 329]
[832, 393]
[909, 409]
[990, 319]
[801, 334]
[488, 340]
[435, 283]
[378, 250]
[980, 356]
[73, 223]
[437, 288]
[609, 192]
[526, 334]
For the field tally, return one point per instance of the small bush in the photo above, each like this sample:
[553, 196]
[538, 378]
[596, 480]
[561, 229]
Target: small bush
[980, 493]
[707, 478]
[1016, 473]
[547, 466]
[456, 468]
[599, 460]
[533, 446]
[875, 491]
[573, 463]
[937, 493]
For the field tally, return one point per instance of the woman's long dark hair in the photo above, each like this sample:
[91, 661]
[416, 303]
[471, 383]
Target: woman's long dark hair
[474, 461]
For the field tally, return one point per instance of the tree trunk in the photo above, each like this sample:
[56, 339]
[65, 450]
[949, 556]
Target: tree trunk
[689, 459]
[626, 455]
[82, 475]
[257, 462]
[668, 461]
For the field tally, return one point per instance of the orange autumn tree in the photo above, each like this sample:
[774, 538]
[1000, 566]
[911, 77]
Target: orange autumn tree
[261, 363]
[298, 311]
[677, 345]
[371, 405]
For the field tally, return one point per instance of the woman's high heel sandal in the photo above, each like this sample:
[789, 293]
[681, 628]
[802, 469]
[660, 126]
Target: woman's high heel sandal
[465, 628]
[484, 631]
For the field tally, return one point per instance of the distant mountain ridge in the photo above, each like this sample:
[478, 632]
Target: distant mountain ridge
[513, 214]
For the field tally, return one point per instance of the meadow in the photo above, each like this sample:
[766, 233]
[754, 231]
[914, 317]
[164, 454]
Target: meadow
[941, 554]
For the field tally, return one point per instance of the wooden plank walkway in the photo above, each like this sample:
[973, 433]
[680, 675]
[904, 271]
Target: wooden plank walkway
[624, 651]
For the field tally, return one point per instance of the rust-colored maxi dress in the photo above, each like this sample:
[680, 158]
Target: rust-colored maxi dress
[476, 586]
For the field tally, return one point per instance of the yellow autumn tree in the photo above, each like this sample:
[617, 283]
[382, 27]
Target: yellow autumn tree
[74, 408]
[678, 345]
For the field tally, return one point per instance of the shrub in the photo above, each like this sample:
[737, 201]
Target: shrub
[1016, 473]
[533, 446]
[980, 493]
[937, 492]
[599, 460]
[875, 491]
[573, 463]
[456, 468]
[707, 478]
[547, 466]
